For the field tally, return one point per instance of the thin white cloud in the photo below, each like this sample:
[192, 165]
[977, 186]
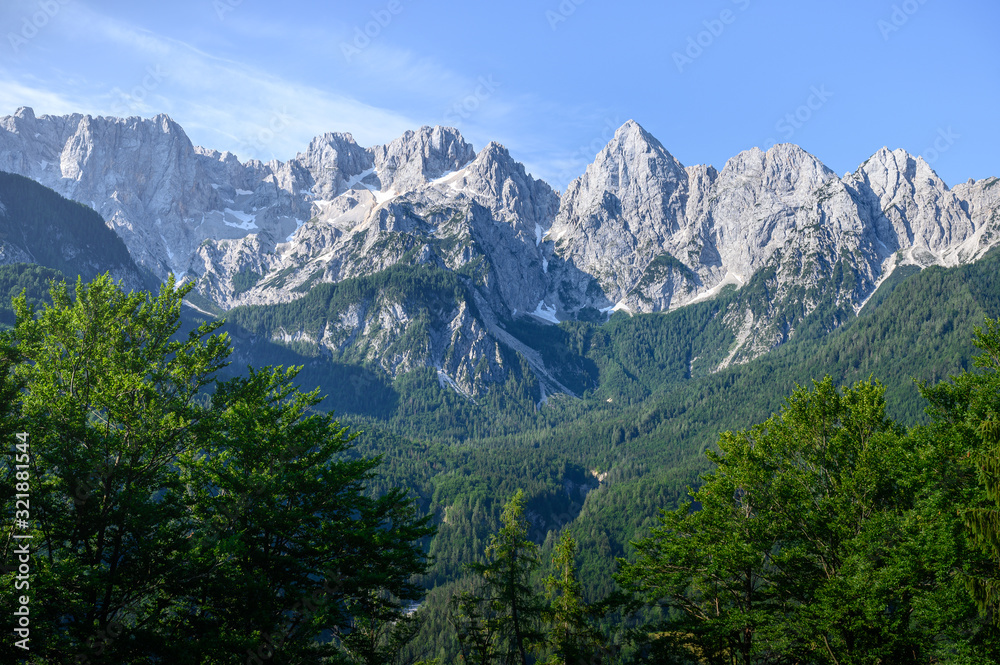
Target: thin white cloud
[14, 94]
[221, 103]
[247, 109]
[264, 115]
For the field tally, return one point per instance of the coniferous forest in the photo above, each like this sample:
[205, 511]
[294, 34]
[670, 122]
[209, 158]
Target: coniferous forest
[834, 501]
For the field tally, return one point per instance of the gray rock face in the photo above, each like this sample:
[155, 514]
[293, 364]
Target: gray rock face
[637, 231]
[617, 218]
[657, 236]
[163, 196]
[166, 197]
[417, 157]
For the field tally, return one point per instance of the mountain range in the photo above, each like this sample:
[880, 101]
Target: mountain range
[423, 253]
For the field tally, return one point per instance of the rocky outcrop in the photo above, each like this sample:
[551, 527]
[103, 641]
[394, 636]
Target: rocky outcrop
[638, 231]
[657, 235]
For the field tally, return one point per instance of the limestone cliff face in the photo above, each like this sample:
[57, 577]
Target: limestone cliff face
[638, 231]
[658, 236]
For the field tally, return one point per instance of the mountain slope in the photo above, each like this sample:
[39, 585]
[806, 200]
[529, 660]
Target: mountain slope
[638, 231]
[38, 226]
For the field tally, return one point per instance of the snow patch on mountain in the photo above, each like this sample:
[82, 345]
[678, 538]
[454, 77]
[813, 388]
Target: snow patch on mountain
[546, 313]
[247, 221]
[638, 231]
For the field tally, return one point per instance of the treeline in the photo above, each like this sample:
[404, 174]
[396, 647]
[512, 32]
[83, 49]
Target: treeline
[920, 326]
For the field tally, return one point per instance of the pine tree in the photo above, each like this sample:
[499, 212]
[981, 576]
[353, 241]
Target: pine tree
[571, 635]
[295, 546]
[500, 621]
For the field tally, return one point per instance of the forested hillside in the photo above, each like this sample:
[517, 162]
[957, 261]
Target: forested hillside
[39, 226]
[650, 405]
[600, 466]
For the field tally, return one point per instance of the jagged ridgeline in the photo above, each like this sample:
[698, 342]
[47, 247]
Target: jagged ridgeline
[637, 232]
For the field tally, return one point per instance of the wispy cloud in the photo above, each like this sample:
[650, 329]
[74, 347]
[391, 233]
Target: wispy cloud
[222, 103]
[270, 108]
[246, 109]
[14, 94]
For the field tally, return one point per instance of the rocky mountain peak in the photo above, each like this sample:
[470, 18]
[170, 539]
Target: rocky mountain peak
[890, 174]
[417, 157]
[495, 165]
[637, 231]
[500, 183]
[167, 124]
[494, 150]
[887, 162]
[782, 168]
[633, 145]
[332, 159]
[633, 132]
[634, 168]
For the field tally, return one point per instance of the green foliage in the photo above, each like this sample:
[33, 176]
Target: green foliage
[244, 280]
[651, 402]
[501, 620]
[807, 544]
[110, 400]
[173, 526]
[285, 523]
[660, 267]
[32, 279]
[667, 406]
[964, 411]
[429, 287]
[573, 636]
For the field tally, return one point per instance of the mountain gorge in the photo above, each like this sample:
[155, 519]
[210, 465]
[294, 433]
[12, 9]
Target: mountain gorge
[423, 254]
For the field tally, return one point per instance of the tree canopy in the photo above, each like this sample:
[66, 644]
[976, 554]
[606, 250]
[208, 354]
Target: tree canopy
[177, 518]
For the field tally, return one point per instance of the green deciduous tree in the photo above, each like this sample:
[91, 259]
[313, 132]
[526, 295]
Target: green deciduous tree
[110, 401]
[966, 414]
[796, 550]
[174, 523]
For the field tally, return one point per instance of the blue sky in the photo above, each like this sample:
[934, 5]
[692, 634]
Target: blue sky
[549, 79]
